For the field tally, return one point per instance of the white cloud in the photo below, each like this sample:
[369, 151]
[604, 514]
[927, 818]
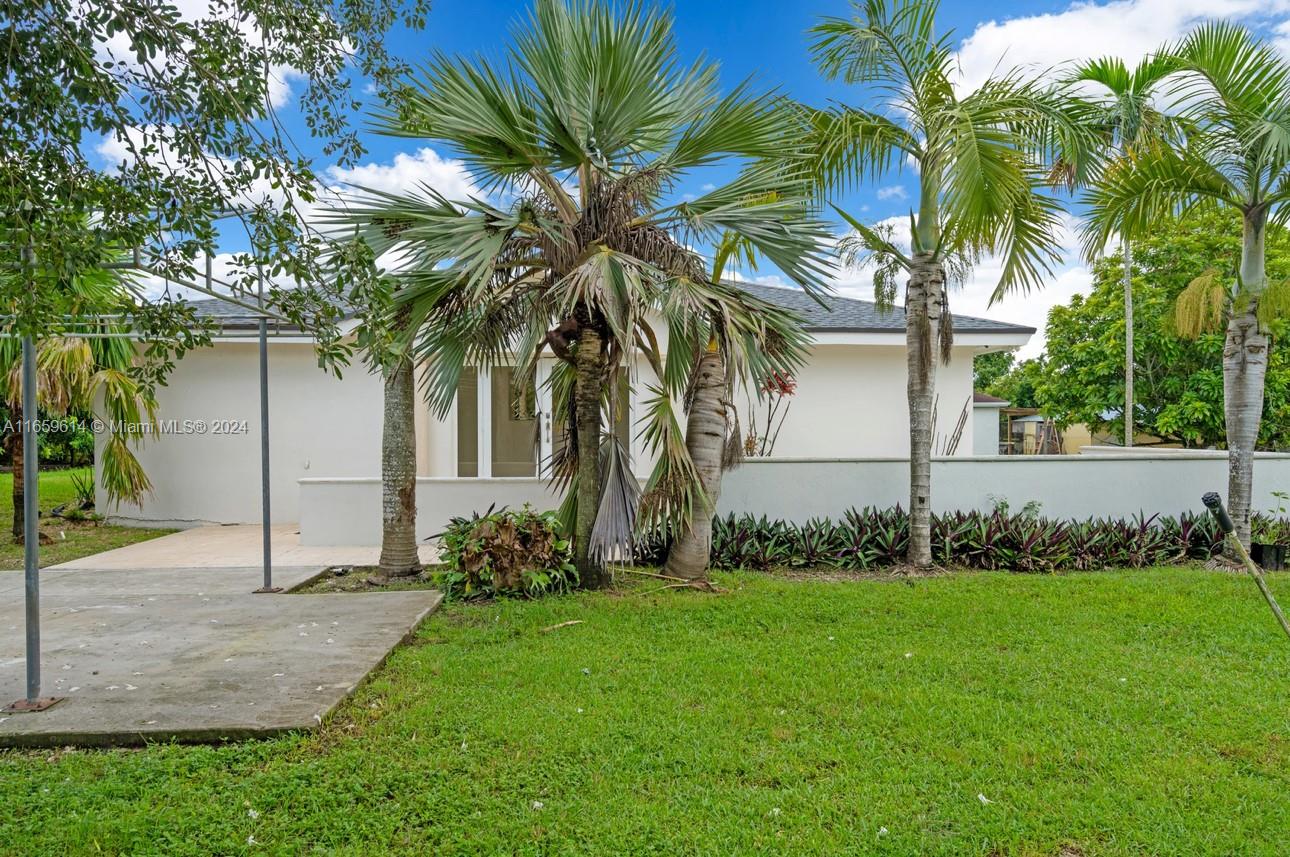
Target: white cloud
[893, 192]
[1129, 29]
[406, 173]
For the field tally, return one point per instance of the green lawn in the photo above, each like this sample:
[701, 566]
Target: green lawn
[71, 540]
[1104, 713]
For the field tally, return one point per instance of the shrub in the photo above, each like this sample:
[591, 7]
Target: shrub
[1024, 541]
[505, 552]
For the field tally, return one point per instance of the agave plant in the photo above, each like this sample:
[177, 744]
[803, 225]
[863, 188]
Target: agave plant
[580, 137]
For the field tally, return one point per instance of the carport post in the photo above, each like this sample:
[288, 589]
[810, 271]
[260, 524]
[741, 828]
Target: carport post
[264, 458]
[31, 531]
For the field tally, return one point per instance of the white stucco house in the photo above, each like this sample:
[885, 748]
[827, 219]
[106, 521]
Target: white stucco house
[205, 465]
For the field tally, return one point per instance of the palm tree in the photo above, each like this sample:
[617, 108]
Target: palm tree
[975, 159]
[742, 341]
[1233, 93]
[581, 139]
[1123, 117]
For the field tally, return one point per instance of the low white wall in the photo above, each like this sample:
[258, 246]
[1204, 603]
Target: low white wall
[348, 511]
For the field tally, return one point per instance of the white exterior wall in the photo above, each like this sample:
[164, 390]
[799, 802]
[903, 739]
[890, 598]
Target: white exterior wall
[851, 403]
[318, 425]
[985, 429]
[347, 511]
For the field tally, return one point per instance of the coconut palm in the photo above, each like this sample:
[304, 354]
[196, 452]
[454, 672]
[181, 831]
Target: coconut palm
[1118, 103]
[581, 137]
[1233, 93]
[738, 341]
[975, 160]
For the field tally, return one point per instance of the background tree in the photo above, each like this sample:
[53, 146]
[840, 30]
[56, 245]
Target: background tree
[1118, 105]
[189, 96]
[581, 136]
[980, 184]
[1180, 378]
[990, 367]
[1233, 95]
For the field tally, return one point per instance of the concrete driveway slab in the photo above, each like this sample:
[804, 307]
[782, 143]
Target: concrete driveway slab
[178, 654]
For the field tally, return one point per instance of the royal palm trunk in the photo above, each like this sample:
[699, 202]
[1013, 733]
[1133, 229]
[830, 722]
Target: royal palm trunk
[705, 439]
[1128, 344]
[399, 474]
[924, 303]
[1245, 365]
[589, 362]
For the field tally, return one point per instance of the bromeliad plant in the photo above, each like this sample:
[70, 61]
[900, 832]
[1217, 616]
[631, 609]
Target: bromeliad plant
[999, 540]
[580, 139]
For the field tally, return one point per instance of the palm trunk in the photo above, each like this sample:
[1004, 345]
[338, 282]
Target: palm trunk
[399, 474]
[705, 439]
[589, 361]
[1129, 430]
[16, 454]
[923, 306]
[1245, 365]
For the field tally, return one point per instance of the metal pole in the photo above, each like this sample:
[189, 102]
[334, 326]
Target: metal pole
[31, 532]
[31, 515]
[264, 450]
[1215, 505]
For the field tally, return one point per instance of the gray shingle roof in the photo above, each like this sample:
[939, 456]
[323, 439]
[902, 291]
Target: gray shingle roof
[845, 315]
[848, 315]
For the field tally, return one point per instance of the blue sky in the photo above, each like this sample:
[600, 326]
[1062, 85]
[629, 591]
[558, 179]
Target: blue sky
[766, 40]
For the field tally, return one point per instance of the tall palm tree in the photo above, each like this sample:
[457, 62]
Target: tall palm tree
[1124, 118]
[980, 181]
[737, 341]
[1233, 97]
[581, 138]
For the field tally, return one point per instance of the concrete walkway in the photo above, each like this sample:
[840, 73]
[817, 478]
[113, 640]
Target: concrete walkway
[190, 654]
[235, 546]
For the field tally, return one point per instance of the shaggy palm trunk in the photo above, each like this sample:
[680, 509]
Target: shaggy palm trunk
[589, 363]
[1245, 365]
[1128, 344]
[15, 444]
[924, 302]
[705, 440]
[399, 474]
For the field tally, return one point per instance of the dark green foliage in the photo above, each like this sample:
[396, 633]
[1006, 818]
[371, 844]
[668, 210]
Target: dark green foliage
[875, 538]
[506, 552]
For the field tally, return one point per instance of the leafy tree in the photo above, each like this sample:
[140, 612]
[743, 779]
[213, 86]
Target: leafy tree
[1020, 387]
[1232, 91]
[977, 161]
[189, 100]
[1180, 378]
[582, 134]
[990, 367]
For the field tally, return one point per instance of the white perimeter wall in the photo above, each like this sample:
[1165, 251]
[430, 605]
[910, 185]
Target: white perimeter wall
[347, 511]
[318, 424]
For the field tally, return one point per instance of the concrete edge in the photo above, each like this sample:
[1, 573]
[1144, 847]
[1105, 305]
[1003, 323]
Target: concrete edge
[213, 735]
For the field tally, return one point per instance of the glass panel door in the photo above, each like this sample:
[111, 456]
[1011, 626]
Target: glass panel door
[515, 424]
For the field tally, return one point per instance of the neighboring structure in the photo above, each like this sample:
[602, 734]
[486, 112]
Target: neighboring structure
[849, 402]
[985, 424]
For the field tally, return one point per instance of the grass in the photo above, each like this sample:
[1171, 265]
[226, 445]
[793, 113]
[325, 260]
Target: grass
[1121, 713]
[71, 539]
[1095, 714]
